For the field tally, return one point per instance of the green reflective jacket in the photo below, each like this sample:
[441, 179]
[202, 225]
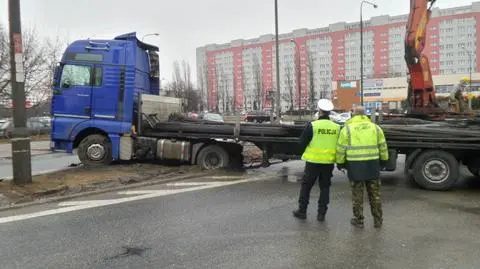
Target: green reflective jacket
[322, 147]
[361, 140]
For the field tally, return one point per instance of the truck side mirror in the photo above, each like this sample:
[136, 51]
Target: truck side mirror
[56, 75]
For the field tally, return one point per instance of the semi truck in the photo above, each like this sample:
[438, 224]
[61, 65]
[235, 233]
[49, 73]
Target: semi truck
[107, 106]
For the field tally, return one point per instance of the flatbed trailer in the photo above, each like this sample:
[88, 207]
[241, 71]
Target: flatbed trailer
[211, 145]
[434, 150]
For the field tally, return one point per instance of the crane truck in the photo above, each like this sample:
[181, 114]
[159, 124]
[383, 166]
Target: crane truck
[434, 148]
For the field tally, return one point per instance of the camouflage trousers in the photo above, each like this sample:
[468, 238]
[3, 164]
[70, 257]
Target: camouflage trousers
[373, 191]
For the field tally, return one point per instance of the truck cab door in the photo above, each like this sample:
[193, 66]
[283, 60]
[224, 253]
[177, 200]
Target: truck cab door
[109, 84]
[72, 92]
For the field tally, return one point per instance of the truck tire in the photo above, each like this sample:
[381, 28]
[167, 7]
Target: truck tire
[436, 170]
[213, 157]
[95, 150]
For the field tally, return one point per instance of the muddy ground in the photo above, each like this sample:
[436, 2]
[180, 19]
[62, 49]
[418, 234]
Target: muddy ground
[80, 179]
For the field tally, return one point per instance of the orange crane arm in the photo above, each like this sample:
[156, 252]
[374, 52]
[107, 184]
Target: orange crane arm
[421, 92]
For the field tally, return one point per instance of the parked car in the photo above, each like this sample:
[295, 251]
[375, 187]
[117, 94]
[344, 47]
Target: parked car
[257, 116]
[212, 117]
[340, 118]
[4, 127]
[35, 126]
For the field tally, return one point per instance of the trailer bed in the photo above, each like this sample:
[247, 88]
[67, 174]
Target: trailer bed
[461, 135]
[404, 134]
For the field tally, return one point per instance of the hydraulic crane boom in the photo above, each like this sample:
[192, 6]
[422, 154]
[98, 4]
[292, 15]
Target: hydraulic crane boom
[421, 91]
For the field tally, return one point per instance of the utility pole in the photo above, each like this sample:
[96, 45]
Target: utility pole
[361, 46]
[277, 56]
[22, 169]
[299, 75]
[470, 80]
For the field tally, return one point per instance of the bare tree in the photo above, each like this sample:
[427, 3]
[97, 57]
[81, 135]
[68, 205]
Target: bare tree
[4, 61]
[205, 93]
[40, 56]
[244, 88]
[311, 78]
[201, 86]
[182, 87]
[324, 91]
[217, 91]
[258, 80]
[289, 95]
[225, 93]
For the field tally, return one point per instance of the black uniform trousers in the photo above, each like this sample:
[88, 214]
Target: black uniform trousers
[314, 172]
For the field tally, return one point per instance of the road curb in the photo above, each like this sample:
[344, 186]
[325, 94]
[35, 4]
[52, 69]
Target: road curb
[100, 191]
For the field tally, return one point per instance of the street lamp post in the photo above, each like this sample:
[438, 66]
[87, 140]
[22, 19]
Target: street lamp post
[153, 34]
[297, 64]
[277, 60]
[470, 74]
[361, 46]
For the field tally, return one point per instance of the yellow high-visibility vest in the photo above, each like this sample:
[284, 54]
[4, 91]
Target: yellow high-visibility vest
[322, 147]
[361, 140]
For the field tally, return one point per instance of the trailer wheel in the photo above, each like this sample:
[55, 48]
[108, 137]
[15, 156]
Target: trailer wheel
[95, 150]
[213, 157]
[436, 170]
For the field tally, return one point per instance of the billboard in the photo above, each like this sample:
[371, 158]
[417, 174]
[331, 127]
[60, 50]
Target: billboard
[371, 94]
[348, 84]
[372, 83]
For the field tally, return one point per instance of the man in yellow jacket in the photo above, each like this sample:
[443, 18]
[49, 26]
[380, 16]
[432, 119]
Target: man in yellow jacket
[318, 144]
[362, 150]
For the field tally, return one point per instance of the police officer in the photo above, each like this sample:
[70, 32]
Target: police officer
[362, 150]
[318, 144]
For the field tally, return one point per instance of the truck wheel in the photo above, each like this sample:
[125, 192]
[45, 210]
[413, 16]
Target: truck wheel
[95, 150]
[436, 170]
[213, 157]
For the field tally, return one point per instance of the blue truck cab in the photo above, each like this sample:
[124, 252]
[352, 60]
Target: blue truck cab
[96, 89]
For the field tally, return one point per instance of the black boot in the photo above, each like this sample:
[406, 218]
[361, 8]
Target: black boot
[378, 224]
[357, 222]
[300, 214]
[322, 211]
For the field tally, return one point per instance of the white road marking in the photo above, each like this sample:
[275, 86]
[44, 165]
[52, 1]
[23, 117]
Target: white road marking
[179, 184]
[225, 177]
[75, 203]
[74, 206]
[163, 192]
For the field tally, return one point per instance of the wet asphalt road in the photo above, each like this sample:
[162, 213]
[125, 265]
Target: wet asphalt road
[249, 225]
[43, 160]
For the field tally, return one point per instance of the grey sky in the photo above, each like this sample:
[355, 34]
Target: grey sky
[185, 25]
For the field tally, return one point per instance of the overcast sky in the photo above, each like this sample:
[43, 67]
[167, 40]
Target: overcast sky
[185, 25]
